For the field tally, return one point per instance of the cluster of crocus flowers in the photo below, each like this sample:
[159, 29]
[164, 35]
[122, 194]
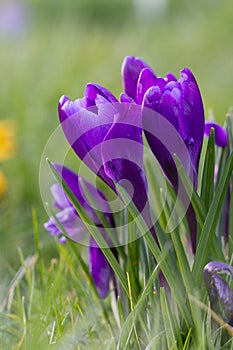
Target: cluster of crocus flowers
[7, 148]
[106, 133]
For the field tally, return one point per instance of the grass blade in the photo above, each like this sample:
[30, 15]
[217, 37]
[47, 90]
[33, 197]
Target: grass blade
[207, 184]
[206, 237]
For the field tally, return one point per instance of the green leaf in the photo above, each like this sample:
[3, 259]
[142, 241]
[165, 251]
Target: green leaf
[169, 320]
[133, 259]
[197, 204]
[168, 267]
[127, 328]
[112, 235]
[231, 227]
[207, 183]
[38, 247]
[208, 231]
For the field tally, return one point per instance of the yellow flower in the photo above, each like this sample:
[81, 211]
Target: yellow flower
[7, 148]
[7, 139]
[3, 184]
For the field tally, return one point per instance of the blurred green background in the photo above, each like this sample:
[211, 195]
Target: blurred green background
[55, 47]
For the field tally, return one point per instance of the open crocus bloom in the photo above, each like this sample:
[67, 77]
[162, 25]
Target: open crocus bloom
[68, 220]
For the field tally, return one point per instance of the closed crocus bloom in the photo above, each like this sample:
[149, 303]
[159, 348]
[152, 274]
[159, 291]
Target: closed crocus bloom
[107, 136]
[220, 294]
[173, 121]
[219, 132]
[86, 124]
[178, 101]
[68, 219]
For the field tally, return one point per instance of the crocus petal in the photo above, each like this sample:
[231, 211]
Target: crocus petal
[67, 108]
[131, 69]
[99, 269]
[165, 98]
[191, 123]
[170, 77]
[122, 154]
[125, 98]
[219, 291]
[60, 199]
[85, 128]
[219, 132]
[73, 181]
[71, 223]
[92, 90]
[169, 105]
[164, 141]
[146, 79]
[180, 103]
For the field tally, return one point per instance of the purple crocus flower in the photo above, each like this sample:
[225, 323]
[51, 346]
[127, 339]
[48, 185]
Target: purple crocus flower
[107, 136]
[220, 294]
[178, 101]
[219, 132]
[173, 120]
[74, 227]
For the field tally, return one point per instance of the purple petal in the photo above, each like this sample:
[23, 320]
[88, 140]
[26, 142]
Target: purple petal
[99, 269]
[122, 152]
[72, 180]
[71, 223]
[62, 240]
[85, 129]
[146, 79]
[126, 99]
[219, 132]
[67, 108]
[131, 69]
[180, 103]
[60, 199]
[93, 90]
[165, 98]
[164, 140]
[170, 77]
[191, 122]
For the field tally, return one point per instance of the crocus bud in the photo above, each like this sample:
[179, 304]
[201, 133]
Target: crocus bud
[220, 294]
[219, 132]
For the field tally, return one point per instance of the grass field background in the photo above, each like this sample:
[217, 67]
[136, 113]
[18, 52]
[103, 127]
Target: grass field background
[64, 46]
